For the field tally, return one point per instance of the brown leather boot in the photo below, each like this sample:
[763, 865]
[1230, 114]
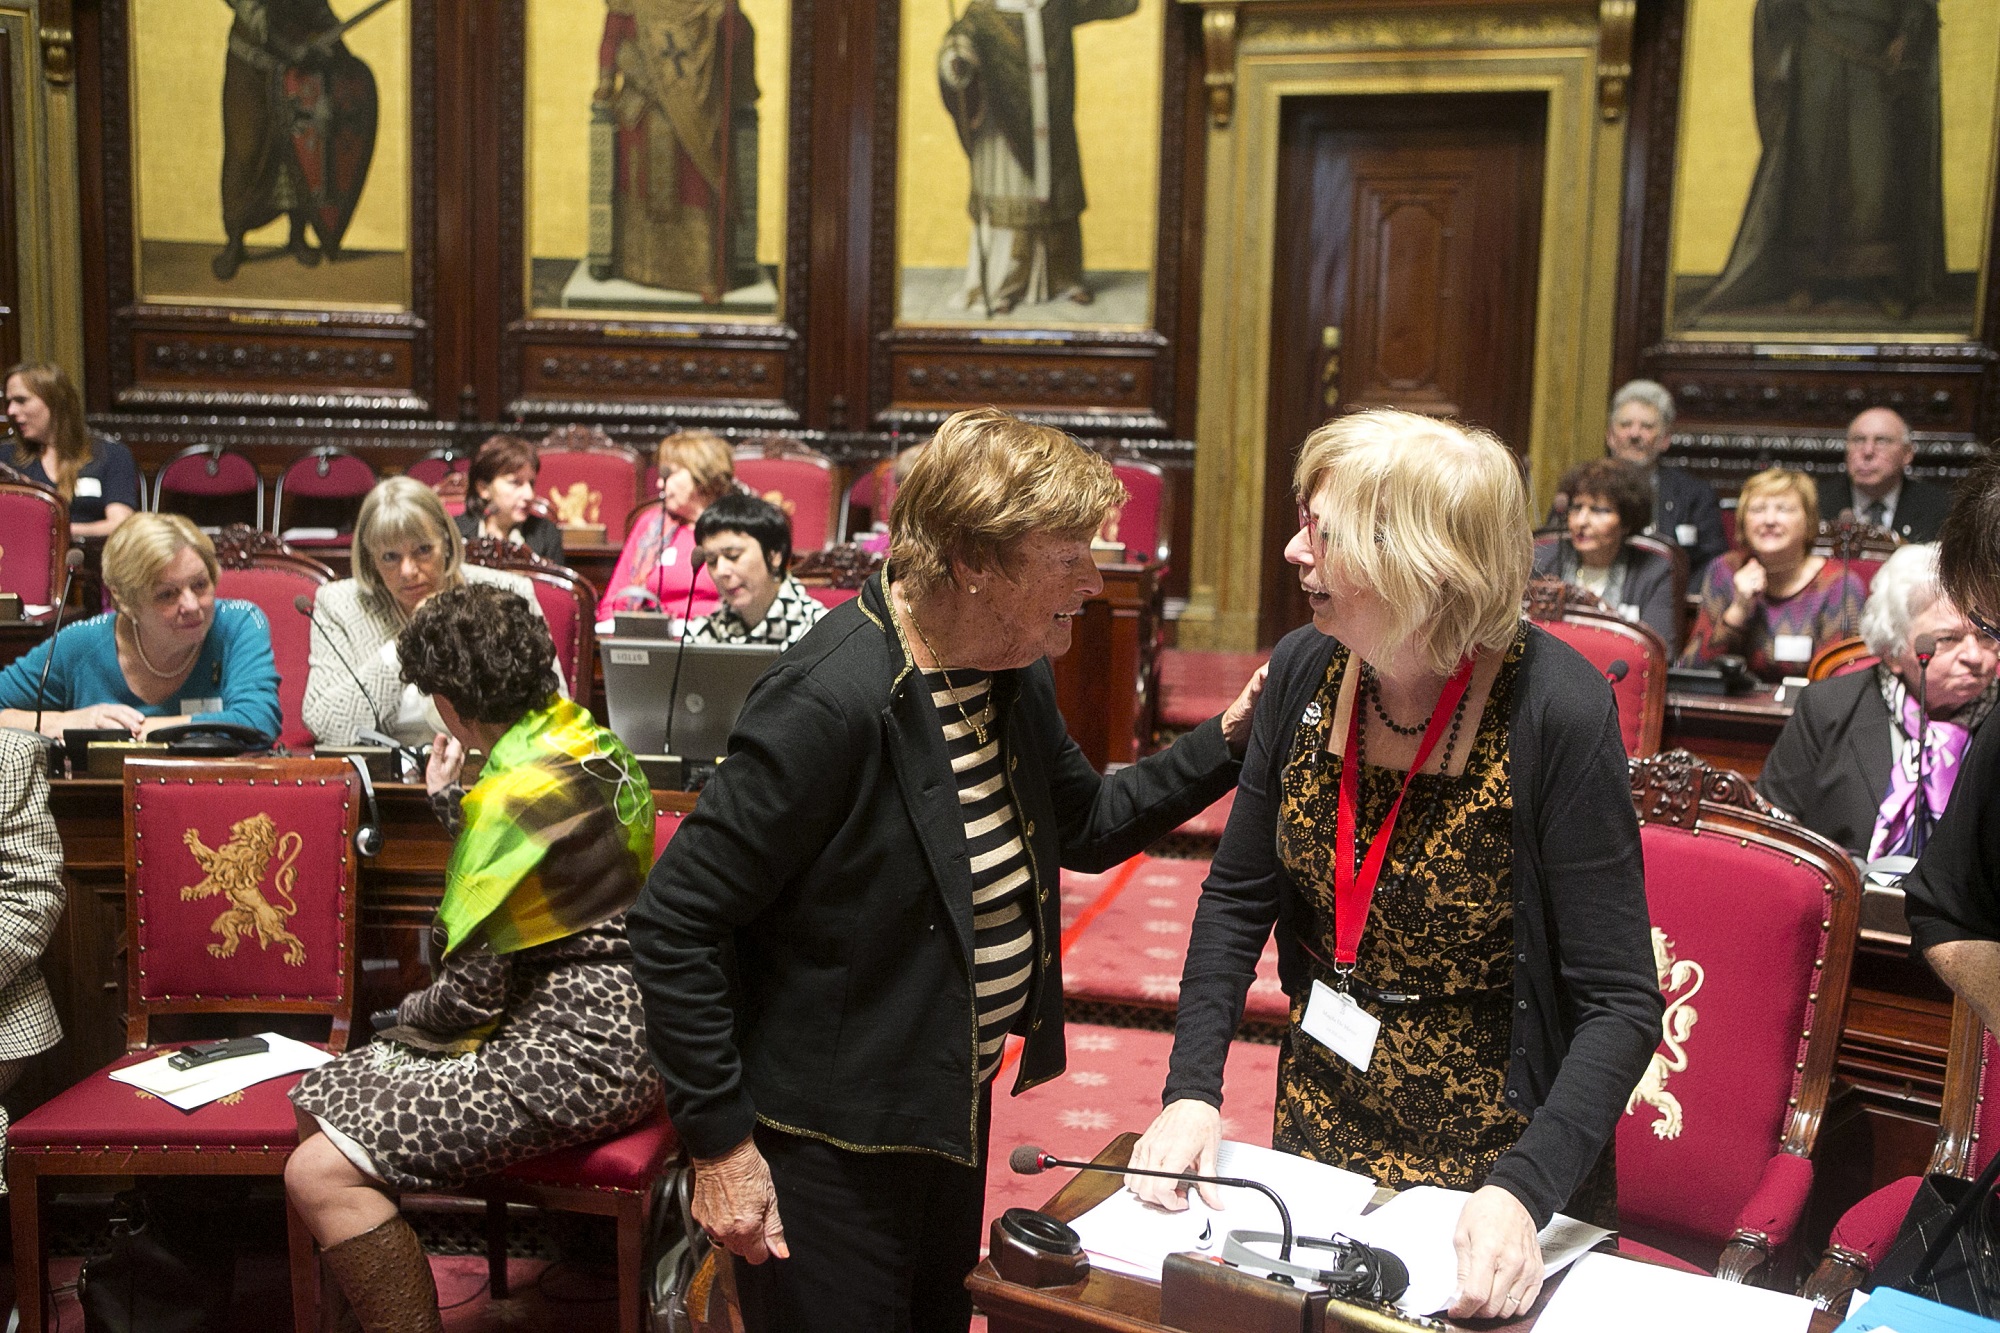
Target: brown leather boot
[387, 1279]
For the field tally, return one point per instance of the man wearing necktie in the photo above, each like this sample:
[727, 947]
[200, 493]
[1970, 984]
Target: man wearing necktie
[1874, 487]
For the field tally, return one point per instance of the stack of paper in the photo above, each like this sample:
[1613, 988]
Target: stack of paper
[189, 1088]
[1418, 1227]
[1608, 1292]
[1891, 1311]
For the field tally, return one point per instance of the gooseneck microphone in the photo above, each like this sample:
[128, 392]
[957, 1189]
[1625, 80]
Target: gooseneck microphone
[1923, 648]
[1618, 670]
[698, 560]
[305, 607]
[1029, 1160]
[70, 563]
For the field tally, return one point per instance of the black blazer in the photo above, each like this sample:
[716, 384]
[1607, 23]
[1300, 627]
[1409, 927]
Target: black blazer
[804, 946]
[1954, 893]
[1685, 500]
[537, 534]
[1831, 764]
[1649, 586]
[1920, 509]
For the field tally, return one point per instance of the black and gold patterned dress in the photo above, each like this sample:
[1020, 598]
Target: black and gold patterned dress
[1431, 1108]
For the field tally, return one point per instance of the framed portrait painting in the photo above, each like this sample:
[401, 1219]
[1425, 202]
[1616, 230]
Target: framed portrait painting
[1835, 171]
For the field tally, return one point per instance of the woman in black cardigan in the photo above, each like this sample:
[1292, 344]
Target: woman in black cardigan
[865, 902]
[1499, 937]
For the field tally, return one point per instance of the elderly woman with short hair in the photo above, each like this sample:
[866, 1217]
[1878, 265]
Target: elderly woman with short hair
[1609, 501]
[865, 904]
[1435, 816]
[406, 549]
[169, 654]
[657, 571]
[1846, 763]
[1771, 601]
[528, 1039]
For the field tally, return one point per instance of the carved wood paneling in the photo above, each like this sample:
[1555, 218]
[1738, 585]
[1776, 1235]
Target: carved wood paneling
[667, 375]
[946, 379]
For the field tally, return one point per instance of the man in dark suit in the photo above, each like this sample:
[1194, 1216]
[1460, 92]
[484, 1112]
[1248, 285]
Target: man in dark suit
[1685, 511]
[1874, 486]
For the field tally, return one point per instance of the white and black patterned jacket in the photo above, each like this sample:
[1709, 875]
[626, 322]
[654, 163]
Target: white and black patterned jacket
[792, 613]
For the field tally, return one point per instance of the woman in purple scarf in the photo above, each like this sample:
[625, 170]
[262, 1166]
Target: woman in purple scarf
[1846, 764]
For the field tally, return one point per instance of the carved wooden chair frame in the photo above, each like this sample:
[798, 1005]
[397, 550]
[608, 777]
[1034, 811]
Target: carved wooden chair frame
[492, 553]
[1551, 600]
[58, 526]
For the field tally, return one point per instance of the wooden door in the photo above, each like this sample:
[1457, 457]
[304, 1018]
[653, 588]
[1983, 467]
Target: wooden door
[10, 284]
[1404, 276]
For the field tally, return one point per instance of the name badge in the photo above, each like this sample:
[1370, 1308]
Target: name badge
[668, 556]
[1792, 647]
[1629, 611]
[1335, 1021]
[193, 707]
[91, 487]
[1686, 534]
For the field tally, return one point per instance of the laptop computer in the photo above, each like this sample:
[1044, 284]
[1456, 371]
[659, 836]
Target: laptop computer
[715, 680]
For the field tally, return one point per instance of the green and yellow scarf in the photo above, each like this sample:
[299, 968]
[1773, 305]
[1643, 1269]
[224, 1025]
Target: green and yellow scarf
[558, 835]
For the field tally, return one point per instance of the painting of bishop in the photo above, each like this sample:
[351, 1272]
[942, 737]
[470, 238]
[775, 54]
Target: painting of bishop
[1007, 70]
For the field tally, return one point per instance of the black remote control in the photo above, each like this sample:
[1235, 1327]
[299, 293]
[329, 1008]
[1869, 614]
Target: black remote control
[208, 1052]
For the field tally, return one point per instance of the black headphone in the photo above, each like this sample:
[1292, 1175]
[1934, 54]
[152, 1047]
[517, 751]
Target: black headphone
[367, 838]
[1358, 1272]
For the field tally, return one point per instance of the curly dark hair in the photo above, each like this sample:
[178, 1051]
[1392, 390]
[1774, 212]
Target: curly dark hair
[483, 649]
[1626, 485]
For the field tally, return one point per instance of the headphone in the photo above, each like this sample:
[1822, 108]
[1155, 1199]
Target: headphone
[367, 838]
[1357, 1272]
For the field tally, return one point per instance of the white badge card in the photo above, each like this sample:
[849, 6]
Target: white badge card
[1792, 647]
[1686, 534]
[89, 488]
[1336, 1022]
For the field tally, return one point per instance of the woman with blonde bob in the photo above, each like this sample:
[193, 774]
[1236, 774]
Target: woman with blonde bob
[865, 903]
[1434, 815]
[406, 548]
[657, 571]
[170, 654]
[1771, 601]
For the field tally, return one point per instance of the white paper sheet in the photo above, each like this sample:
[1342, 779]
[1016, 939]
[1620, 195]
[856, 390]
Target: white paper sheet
[1608, 1292]
[189, 1088]
[1417, 1227]
[1127, 1236]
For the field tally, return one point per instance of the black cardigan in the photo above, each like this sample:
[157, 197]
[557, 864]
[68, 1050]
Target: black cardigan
[1586, 1002]
[1952, 894]
[1830, 767]
[828, 856]
[538, 534]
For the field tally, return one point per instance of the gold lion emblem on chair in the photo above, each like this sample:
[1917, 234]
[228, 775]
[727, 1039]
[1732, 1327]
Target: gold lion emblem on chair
[236, 870]
[576, 504]
[1680, 980]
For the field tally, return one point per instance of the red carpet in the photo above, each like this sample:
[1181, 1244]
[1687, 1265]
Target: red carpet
[1195, 686]
[1210, 822]
[1127, 947]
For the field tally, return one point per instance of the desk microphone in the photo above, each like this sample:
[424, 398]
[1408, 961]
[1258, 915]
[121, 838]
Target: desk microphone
[1923, 648]
[70, 562]
[1618, 670]
[698, 560]
[306, 608]
[1029, 1160]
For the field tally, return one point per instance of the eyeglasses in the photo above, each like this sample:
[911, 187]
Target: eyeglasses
[1982, 624]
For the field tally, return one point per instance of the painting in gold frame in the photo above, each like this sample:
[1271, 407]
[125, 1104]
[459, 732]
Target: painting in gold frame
[1835, 172]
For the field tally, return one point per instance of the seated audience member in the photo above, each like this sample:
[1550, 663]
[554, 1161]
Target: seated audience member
[1953, 896]
[1771, 601]
[169, 654]
[654, 571]
[1875, 488]
[94, 473]
[498, 492]
[406, 548]
[530, 1037]
[1609, 500]
[748, 542]
[31, 901]
[1846, 763]
[1684, 509]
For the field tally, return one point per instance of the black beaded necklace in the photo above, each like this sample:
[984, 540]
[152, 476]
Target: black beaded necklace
[1370, 688]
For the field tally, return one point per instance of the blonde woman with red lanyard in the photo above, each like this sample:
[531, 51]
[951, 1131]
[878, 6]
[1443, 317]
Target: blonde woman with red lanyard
[1434, 815]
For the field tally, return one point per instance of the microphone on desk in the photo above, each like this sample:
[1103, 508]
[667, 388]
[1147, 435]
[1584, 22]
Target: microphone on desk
[70, 563]
[1029, 1160]
[1618, 670]
[698, 560]
[1923, 648]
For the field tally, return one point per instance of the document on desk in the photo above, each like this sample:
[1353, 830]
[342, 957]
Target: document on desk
[186, 1089]
[1418, 1226]
[1126, 1236]
[1608, 1292]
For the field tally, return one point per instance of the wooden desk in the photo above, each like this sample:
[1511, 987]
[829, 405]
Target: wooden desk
[85, 962]
[19, 637]
[1728, 731]
[1104, 683]
[1116, 1303]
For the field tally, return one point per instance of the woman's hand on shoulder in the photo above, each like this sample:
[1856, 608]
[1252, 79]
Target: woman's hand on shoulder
[1499, 1257]
[737, 1205]
[1238, 718]
[1184, 1137]
[447, 758]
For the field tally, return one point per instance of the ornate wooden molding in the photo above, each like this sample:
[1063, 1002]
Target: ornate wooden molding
[1218, 55]
[58, 38]
[1614, 56]
[846, 566]
[1669, 788]
[1548, 598]
[653, 372]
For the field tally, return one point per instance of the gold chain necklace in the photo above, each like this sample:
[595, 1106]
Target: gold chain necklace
[978, 731]
[139, 646]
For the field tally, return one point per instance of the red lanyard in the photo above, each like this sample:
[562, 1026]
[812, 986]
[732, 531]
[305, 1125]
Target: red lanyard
[1354, 887]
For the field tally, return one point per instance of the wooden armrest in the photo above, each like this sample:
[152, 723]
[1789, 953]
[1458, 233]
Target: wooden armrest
[1840, 1271]
[1745, 1253]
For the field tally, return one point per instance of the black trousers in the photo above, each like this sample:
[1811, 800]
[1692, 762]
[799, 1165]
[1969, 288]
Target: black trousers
[880, 1242]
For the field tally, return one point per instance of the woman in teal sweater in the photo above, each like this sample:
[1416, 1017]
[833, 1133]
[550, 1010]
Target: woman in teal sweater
[170, 654]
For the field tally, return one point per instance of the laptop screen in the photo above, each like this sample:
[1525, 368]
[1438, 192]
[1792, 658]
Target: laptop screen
[715, 679]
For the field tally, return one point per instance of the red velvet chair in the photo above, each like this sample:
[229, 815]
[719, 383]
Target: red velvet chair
[796, 479]
[1607, 639]
[1841, 659]
[1968, 1135]
[268, 930]
[257, 567]
[1754, 928]
[1141, 525]
[35, 524]
[324, 489]
[871, 494]
[211, 485]
[438, 464]
[588, 479]
[568, 601]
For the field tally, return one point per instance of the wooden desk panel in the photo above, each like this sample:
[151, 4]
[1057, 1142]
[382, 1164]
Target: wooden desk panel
[1725, 731]
[1104, 683]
